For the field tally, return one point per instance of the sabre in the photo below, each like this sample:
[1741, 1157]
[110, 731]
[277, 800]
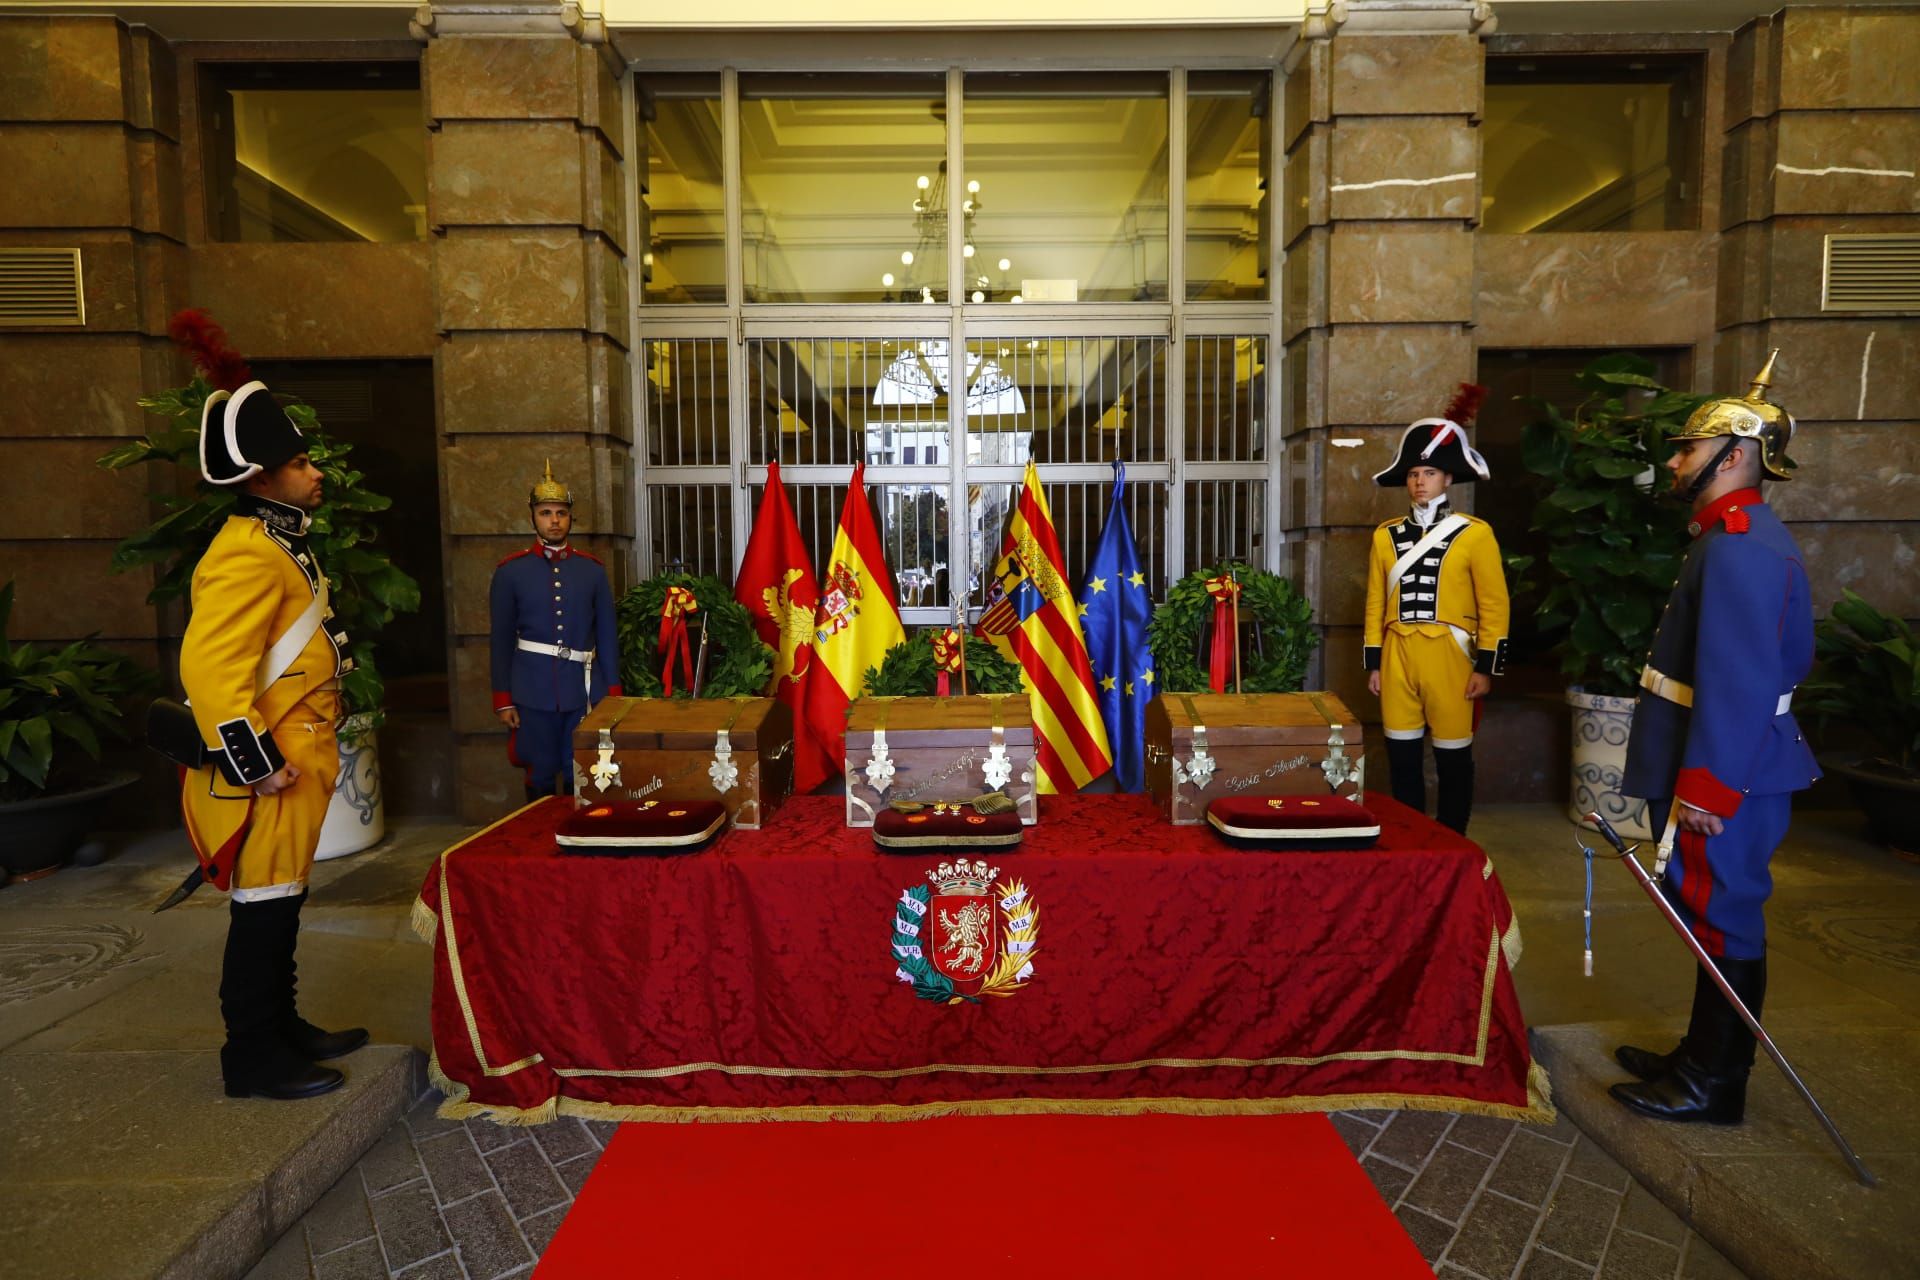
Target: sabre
[960, 626]
[1612, 837]
[700, 660]
[1234, 573]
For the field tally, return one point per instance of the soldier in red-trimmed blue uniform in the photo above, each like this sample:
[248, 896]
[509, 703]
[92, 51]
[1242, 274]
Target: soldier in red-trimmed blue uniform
[555, 650]
[1715, 743]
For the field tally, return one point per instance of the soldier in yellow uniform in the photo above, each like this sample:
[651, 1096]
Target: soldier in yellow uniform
[1437, 612]
[261, 665]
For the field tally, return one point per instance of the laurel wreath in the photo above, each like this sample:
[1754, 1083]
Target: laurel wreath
[739, 663]
[1287, 636]
[929, 983]
[908, 670]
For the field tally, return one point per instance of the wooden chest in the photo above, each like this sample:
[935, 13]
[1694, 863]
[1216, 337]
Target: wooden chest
[1202, 746]
[928, 749]
[736, 750]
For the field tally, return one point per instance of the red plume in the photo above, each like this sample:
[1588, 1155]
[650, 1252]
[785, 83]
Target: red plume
[1466, 403]
[201, 337]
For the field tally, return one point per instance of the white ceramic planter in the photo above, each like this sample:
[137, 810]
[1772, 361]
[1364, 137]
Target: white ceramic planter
[357, 815]
[1600, 728]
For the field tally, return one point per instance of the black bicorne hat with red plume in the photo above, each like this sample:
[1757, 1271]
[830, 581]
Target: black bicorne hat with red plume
[1441, 442]
[243, 430]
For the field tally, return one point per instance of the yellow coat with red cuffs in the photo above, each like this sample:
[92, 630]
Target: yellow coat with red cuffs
[252, 587]
[1460, 583]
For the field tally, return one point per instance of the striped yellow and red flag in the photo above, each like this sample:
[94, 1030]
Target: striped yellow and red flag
[855, 623]
[1031, 617]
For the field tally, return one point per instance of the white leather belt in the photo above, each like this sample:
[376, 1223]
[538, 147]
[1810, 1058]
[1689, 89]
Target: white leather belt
[1679, 692]
[582, 656]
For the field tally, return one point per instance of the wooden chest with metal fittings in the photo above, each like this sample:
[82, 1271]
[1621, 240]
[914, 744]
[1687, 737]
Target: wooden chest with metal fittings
[1202, 746]
[736, 750]
[927, 750]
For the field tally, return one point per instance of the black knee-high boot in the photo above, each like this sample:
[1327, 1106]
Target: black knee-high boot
[1649, 1064]
[1454, 769]
[256, 1059]
[1407, 771]
[307, 1040]
[1707, 1080]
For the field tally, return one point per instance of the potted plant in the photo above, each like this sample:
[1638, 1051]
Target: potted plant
[1867, 675]
[367, 588]
[1613, 546]
[56, 705]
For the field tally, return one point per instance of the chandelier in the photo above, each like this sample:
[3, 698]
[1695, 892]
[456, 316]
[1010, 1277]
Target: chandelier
[930, 218]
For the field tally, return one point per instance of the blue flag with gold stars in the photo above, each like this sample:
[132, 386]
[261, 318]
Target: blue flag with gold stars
[1114, 606]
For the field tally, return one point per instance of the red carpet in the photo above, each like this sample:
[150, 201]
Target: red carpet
[1044, 1197]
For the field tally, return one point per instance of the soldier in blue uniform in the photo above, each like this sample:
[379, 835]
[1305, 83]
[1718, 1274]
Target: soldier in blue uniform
[555, 649]
[1714, 741]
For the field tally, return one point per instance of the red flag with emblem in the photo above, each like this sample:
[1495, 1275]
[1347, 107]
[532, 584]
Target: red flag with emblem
[776, 585]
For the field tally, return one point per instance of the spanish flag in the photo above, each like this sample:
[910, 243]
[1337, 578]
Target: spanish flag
[1030, 617]
[855, 623]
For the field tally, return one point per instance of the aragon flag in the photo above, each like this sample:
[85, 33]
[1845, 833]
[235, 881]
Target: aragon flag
[1030, 617]
[855, 623]
[776, 585]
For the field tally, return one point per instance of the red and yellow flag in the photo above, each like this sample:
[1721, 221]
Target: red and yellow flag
[1031, 617]
[856, 622]
[776, 585]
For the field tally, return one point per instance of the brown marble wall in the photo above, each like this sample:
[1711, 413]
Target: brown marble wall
[529, 289]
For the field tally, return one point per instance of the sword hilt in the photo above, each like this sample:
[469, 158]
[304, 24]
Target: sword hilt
[1607, 833]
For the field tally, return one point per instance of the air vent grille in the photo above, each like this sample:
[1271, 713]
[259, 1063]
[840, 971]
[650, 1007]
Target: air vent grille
[41, 287]
[1872, 272]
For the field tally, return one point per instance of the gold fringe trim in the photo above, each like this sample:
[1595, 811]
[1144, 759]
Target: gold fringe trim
[426, 925]
[1510, 943]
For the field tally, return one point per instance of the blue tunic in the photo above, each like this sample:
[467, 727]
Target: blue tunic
[565, 600]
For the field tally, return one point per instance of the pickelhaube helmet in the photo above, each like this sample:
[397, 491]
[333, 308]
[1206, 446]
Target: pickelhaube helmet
[549, 490]
[244, 433]
[1752, 417]
[1440, 442]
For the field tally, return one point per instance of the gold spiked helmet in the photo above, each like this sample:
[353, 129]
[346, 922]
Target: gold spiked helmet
[549, 490]
[1751, 416]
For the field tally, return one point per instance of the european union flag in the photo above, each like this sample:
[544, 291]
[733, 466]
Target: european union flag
[1113, 614]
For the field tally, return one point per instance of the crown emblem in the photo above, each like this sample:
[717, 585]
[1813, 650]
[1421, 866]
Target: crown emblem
[963, 877]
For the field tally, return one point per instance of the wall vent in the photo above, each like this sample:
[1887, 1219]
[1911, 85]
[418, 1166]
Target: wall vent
[41, 287]
[1872, 272]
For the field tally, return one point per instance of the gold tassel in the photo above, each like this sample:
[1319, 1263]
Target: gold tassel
[425, 923]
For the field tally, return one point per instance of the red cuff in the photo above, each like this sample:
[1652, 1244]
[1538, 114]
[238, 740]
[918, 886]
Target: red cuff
[1699, 788]
[501, 701]
[613, 691]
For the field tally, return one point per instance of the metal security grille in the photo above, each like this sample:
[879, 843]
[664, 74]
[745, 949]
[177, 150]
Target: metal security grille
[1872, 272]
[835, 401]
[686, 392]
[1079, 512]
[1226, 520]
[1067, 399]
[692, 529]
[1226, 398]
[41, 287]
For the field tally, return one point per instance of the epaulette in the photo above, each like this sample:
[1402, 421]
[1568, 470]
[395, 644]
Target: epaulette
[524, 551]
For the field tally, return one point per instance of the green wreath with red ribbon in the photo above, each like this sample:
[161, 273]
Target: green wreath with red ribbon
[910, 669]
[739, 663]
[1286, 636]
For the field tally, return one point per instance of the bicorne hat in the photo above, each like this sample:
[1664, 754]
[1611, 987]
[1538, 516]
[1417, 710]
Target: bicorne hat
[1441, 442]
[244, 433]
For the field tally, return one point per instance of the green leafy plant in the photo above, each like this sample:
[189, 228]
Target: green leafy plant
[1614, 541]
[1867, 675]
[739, 663]
[907, 670]
[368, 589]
[56, 704]
[1284, 618]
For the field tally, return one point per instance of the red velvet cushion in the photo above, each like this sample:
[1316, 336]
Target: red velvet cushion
[650, 826]
[1293, 822]
[917, 832]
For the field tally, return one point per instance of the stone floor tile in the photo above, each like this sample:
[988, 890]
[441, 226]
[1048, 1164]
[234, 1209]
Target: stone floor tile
[1447, 1185]
[1355, 1132]
[1642, 1211]
[1447, 1271]
[286, 1260]
[564, 1139]
[454, 1166]
[539, 1229]
[1494, 1236]
[1562, 1130]
[1591, 1164]
[392, 1161]
[1429, 1234]
[526, 1179]
[355, 1262]
[574, 1172]
[1579, 1219]
[602, 1130]
[1390, 1180]
[409, 1225]
[1527, 1170]
[489, 1136]
[1485, 1134]
[490, 1244]
[424, 1119]
[1637, 1257]
[1411, 1137]
[1377, 1119]
[445, 1267]
[1542, 1265]
[1701, 1261]
[340, 1217]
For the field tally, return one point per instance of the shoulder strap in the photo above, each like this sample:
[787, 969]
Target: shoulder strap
[280, 656]
[1440, 532]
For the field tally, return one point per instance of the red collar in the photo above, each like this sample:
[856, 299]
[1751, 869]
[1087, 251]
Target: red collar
[560, 552]
[1728, 508]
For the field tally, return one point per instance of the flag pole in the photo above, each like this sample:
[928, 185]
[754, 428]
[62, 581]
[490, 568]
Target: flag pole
[960, 625]
[1234, 573]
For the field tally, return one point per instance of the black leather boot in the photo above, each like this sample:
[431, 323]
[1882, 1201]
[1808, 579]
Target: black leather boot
[256, 1060]
[1708, 1078]
[307, 1040]
[1407, 771]
[1454, 769]
[1650, 1065]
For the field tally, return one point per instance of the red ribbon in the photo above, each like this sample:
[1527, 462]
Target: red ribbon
[1225, 591]
[673, 637]
[946, 658]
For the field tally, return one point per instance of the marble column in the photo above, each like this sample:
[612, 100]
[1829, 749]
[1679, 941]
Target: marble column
[527, 205]
[1823, 138]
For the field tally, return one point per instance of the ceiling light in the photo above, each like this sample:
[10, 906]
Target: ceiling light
[979, 296]
[966, 251]
[906, 257]
[1006, 264]
[886, 280]
[923, 182]
[973, 188]
[1018, 298]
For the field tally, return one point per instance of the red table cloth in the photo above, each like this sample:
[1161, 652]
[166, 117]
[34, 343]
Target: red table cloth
[1145, 967]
